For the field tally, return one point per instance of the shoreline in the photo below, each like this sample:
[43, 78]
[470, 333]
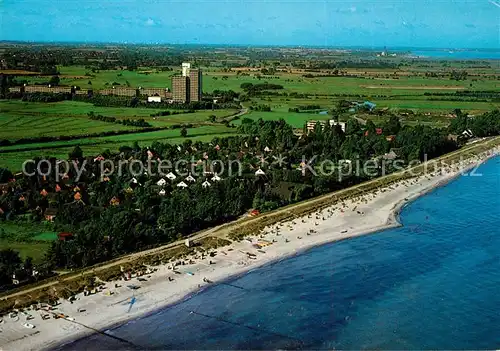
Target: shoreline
[108, 312]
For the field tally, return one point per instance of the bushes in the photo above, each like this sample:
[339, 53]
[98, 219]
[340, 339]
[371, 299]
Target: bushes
[141, 123]
[262, 108]
[304, 108]
[256, 89]
[46, 97]
[170, 113]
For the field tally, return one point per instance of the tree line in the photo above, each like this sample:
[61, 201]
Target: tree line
[141, 123]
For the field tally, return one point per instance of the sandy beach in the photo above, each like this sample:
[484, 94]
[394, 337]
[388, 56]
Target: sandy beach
[112, 305]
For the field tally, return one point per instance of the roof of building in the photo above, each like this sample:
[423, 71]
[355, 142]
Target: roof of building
[50, 212]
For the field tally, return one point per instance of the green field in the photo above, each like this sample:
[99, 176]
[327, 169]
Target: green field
[94, 146]
[17, 126]
[437, 106]
[297, 120]
[391, 89]
[370, 85]
[20, 119]
[75, 75]
[76, 109]
[29, 239]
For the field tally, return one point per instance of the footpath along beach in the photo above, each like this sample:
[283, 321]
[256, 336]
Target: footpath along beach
[120, 301]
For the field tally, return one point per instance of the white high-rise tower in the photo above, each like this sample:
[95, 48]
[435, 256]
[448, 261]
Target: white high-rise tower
[186, 67]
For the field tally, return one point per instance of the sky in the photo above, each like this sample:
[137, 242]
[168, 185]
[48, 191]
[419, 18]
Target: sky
[369, 23]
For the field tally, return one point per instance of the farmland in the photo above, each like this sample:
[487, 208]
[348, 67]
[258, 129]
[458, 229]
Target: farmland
[423, 89]
[14, 156]
[16, 126]
[393, 90]
[20, 119]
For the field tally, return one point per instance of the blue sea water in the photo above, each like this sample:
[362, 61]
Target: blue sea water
[432, 284]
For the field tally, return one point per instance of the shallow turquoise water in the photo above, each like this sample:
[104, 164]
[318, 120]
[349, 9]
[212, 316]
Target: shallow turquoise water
[432, 284]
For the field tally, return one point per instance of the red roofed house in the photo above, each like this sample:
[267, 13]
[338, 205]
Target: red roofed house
[44, 192]
[77, 196]
[254, 213]
[50, 214]
[377, 130]
[65, 236]
[58, 188]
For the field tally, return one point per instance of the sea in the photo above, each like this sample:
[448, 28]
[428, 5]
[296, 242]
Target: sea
[433, 283]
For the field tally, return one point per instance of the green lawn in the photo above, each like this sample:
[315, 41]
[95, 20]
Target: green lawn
[297, 120]
[27, 238]
[35, 250]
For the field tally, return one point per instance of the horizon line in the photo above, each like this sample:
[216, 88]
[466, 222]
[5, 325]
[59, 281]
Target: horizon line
[372, 47]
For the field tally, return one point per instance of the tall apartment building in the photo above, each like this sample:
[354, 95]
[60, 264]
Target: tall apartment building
[188, 87]
[195, 85]
[180, 88]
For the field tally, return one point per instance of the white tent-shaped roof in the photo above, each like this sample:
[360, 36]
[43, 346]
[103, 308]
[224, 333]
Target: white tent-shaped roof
[267, 149]
[206, 183]
[161, 182]
[133, 180]
[182, 185]
[171, 176]
[162, 192]
[190, 178]
[216, 178]
[260, 172]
